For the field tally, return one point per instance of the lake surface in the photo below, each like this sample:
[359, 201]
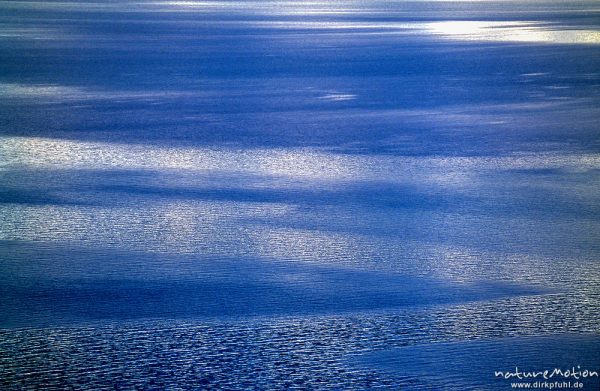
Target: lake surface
[298, 195]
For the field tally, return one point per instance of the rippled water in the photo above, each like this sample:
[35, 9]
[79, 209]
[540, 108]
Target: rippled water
[297, 195]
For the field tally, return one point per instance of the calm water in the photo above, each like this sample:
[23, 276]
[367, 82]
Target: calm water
[298, 195]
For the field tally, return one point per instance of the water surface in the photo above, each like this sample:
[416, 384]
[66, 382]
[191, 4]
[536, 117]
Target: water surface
[309, 195]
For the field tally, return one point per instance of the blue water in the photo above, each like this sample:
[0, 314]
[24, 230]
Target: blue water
[298, 195]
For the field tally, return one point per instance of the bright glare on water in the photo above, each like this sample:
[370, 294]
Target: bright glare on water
[298, 194]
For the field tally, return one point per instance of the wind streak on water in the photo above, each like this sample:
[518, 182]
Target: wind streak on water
[246, 194]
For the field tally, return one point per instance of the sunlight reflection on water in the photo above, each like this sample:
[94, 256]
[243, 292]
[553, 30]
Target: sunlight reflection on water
[309, 163]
